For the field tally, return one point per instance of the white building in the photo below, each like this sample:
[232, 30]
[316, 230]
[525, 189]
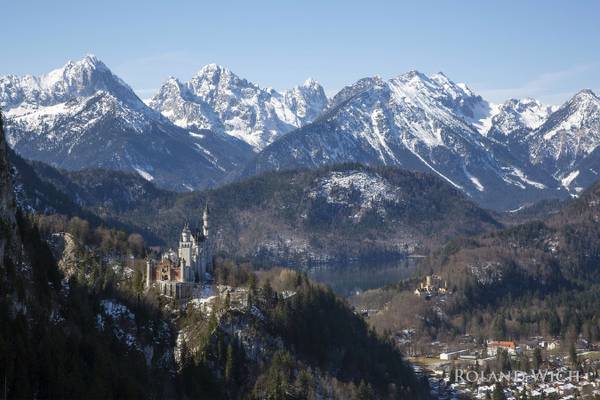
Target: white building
[178, 273]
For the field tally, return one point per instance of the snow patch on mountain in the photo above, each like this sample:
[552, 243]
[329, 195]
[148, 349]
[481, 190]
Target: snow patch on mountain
[522, 179]
[374, 191]
[473, 180]
[567, 180]
[147, 176]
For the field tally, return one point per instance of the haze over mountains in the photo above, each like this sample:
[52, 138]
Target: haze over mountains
[217, 127]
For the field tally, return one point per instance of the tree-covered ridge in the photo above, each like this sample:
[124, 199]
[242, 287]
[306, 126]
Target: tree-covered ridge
[284, 337]
[334, 213]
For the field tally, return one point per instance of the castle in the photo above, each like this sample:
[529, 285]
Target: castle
[179, 274]
[432, 286]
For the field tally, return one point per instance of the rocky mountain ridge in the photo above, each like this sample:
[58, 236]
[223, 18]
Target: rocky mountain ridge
[218, 100]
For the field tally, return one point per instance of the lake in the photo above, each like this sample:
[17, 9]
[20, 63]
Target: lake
[348, 279]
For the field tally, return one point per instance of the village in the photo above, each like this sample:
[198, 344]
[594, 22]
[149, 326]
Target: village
[536, 368]
[471, 367]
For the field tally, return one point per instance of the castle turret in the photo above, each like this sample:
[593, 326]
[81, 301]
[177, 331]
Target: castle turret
[185, 233]
[148, 274]
[205, 221]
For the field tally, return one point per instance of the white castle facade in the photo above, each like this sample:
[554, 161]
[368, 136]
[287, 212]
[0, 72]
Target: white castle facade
[179, 274]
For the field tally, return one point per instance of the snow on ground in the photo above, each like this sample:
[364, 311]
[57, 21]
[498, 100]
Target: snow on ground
[566, 181]
[196, 135]
[337, 187]
[521, 175]
[144, 174]
[473, 180]
[116, 310]
[123, 321]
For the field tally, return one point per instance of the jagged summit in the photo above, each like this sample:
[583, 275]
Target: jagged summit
[585, 93]
[217, 99]
[517, 117]
[566, 143]
[212, 68]
[415, 121]
[310, 82]
[80, 78]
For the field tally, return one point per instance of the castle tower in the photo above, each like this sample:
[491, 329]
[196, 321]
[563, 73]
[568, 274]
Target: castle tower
[148, 274]
[205, 221]
[185, 252]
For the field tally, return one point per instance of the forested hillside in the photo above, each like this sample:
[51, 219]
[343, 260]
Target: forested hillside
[334, 214]
[51, 345]
[536, 278]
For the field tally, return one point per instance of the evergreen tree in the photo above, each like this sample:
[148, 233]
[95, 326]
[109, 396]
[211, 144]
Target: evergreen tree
[365, 392]
[251, 289]
[573, 354]
[227, 301]
[498, 393]
[229, 364]
[537, 359]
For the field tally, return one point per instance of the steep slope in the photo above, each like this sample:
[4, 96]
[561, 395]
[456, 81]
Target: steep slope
[9, 238]
[295, 337]
[307, 101]
[102, 190]
[35, 195]
[50, 343]
[566, 143]
[83, 116]
[218, 100]
[417, 122]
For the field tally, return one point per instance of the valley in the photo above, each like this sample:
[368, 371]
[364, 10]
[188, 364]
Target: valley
[399, 218]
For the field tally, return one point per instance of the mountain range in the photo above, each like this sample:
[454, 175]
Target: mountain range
[218, 127]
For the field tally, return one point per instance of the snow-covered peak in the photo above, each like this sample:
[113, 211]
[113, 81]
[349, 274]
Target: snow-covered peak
[355, 89]
[75, 79]
[581, 111]
[439, 92]
[214, 77]
[569, 135]
[217, 99]
[456, 90]
[519, 116]
[74, 72]
[213, 68]
[585, 95]
[311, 83]
[306, 101]
[171, 87]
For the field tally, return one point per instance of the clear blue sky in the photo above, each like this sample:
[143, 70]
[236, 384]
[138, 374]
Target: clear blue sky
[501, 49]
